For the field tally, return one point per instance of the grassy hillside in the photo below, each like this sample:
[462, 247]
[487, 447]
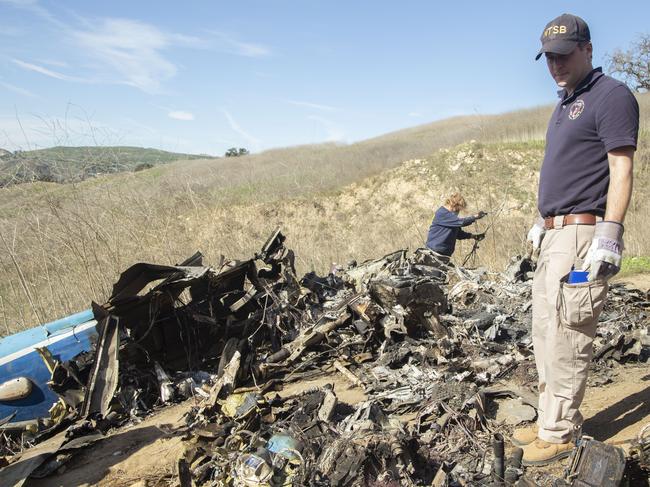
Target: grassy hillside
[288, 172]
[335, 203]
[67, 164]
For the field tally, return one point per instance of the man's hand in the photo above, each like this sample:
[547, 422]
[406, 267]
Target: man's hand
[478, 236]
[536, 233]
[480, 215]
[605, 254]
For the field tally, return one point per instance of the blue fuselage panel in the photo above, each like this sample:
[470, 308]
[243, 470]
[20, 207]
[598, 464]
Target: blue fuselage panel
[20, 359]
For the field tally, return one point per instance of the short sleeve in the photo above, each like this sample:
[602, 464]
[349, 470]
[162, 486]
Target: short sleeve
[617, 119]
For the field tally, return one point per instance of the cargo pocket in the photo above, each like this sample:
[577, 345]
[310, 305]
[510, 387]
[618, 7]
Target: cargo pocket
[580, 304]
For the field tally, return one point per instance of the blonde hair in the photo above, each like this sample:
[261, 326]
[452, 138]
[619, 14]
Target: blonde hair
[456, 202]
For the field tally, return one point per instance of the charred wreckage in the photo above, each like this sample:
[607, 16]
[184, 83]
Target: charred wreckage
[442, 356]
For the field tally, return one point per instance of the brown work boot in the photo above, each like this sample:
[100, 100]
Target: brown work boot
[540, 452]
[524, 436]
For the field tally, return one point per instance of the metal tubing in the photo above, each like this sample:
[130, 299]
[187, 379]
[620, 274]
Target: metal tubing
[514, 466]
[498, 469]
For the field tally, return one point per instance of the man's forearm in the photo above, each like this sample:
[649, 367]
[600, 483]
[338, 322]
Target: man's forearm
[621, 177]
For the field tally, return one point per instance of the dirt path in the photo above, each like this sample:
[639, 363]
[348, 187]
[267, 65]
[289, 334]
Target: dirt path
[145, 455]
[638, 281]
[615, 413]
[143, 452]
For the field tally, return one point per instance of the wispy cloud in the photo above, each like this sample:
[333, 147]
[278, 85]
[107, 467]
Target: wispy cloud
[179, 115]
[17, 89]
[126, 51]
[175, 114]
[54, 62]
[250, 139]
[188, 41]
[334, 132]
[47, 72]
[131, 48]
[317, 106]
[34, 7]
[136, 50]
[228, 43]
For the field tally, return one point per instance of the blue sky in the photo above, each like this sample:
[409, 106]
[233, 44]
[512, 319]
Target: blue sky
[203, 76]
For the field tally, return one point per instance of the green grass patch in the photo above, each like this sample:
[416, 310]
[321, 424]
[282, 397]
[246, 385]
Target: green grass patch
[533, 144]
[74, 164]
[635, 265]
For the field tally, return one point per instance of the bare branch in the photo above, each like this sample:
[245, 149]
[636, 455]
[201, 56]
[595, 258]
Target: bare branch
[633, 65]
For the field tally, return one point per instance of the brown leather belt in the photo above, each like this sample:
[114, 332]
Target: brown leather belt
[577, 219]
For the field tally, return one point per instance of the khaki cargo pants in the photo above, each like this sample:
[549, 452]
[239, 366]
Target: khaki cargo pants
[564, 325]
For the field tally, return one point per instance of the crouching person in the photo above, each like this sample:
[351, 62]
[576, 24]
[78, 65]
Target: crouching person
[446, 227]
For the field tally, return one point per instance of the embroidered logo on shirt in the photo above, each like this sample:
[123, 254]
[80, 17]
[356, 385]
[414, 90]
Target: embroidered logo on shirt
[576, 109]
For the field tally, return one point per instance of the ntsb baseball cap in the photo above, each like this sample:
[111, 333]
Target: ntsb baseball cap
[562, 34]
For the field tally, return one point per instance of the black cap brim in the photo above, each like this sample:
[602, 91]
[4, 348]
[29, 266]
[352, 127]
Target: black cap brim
[557, 46]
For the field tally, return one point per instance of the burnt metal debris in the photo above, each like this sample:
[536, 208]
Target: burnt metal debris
[595, 464]
[441, 356]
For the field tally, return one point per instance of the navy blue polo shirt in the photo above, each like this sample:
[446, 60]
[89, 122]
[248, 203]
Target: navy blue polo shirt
[601, 115]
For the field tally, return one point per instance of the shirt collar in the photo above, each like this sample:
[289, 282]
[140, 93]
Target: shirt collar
[589, 80]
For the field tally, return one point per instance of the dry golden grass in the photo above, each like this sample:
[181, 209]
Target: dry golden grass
[64, 245]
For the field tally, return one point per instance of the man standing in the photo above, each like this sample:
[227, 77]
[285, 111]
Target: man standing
[584, 191]
[446, 226]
